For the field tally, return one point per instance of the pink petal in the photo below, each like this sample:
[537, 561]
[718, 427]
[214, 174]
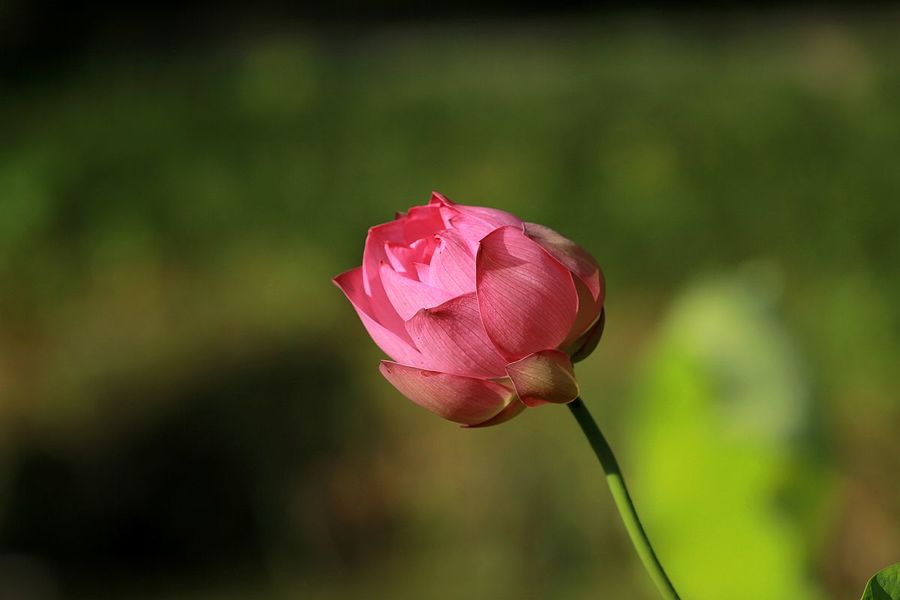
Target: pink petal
[409, 295]
[472, 222]
[440, 199]
[384, 312]
[546, 376]
[447, 208]
[403, 258]
[528, 300]
[493, 216]
[374, 254]
[423, 271]
[422, 221]
[380, 307]
[452, 265]
[397, 347]
[588, 277]
[465, 400]
[398, 256]
[571, 255]
[452, 339]
[471, 229]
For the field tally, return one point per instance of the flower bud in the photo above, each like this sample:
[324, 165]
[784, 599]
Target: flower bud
[481, 313]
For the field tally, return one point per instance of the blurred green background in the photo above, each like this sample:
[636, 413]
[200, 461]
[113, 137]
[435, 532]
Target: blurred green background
[190, 409]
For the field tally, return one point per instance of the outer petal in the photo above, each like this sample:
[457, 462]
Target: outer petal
[374, 254]
[465, 400]
[527, 298]
[452, 339]
[571, 255]
[398, 348]
[409, 295]
[546, 376]
[380, 307]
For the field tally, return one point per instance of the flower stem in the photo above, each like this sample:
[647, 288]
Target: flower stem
[622, 499]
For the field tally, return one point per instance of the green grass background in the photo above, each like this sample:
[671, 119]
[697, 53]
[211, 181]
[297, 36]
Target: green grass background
[189, 408]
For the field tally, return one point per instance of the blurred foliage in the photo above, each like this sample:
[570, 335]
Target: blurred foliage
[189, 408]
[726, 429]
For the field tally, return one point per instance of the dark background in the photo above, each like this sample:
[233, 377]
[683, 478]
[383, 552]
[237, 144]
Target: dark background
[189, 408]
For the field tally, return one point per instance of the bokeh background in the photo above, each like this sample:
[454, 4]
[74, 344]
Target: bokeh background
[190, 409]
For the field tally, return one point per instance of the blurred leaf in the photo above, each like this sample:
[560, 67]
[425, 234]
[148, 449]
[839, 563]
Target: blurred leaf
[721, 407]
[884, 585]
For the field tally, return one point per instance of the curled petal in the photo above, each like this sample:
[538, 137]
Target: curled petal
[583, 346]
[400, 348]
[527, 299]
[409, 295]
[512, 409]
[588, 311]
[546, 376]
[452, 339]
[465, 400]
[571, 255]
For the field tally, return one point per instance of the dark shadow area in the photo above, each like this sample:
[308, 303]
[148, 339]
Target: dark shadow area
[204, 485]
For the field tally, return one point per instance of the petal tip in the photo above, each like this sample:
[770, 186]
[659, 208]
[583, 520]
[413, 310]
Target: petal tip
[439, 198]
[338, 279]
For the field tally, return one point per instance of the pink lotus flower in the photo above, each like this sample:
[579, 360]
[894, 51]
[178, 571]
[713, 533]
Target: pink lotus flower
[482, 313]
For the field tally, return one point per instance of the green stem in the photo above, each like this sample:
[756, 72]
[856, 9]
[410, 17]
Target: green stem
[623, 499]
